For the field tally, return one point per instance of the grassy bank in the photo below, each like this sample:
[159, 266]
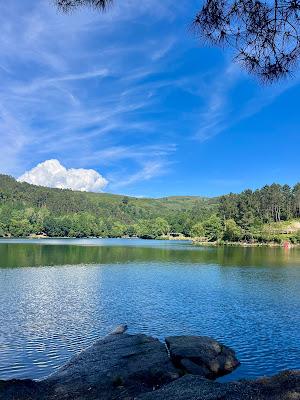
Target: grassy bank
[243, 244]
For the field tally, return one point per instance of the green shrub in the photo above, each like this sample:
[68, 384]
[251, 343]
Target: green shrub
[198, 230]
[295, 238]
[233, 232]
[213, 228]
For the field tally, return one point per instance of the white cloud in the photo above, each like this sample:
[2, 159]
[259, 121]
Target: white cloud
[52, 174]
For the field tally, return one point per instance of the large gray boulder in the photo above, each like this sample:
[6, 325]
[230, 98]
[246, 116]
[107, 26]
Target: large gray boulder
[117, 367]
[201, 355]
[285, 386]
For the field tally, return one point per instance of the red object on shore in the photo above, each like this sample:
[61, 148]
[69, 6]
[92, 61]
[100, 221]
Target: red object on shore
[286, 245]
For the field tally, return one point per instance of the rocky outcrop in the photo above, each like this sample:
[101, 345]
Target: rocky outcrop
[285, 386]
[16, 389]
[123, 366]
[201, 355]
[116, 367]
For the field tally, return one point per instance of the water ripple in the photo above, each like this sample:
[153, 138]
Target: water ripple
[48, 314]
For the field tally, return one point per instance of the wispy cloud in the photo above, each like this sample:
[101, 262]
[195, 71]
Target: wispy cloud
[221, 112]
[121, 92]
[81, 94]
[146, 162]
[54, 82]
[216, 116]
[13, 138]
[150, 170]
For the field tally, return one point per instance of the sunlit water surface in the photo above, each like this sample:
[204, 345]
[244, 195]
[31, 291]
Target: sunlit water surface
[58, 296]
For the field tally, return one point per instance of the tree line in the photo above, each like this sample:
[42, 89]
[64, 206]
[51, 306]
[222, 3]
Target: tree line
[246, 216]
[30, 221]
[33, 210]
[272, 203]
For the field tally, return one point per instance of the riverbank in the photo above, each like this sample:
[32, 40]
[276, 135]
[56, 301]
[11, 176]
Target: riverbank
[195, 241]
[123, 366]
[286, 245]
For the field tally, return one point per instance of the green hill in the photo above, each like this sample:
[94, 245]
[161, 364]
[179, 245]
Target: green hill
[109, 214]
[269, 214]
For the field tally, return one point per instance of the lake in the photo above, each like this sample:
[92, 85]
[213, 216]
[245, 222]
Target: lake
[59, 295]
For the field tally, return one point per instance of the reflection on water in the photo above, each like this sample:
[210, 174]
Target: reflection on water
[247, 297]
[23, 253]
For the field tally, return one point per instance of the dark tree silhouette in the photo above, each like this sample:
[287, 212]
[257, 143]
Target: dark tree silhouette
[69, 5]
[265, 35]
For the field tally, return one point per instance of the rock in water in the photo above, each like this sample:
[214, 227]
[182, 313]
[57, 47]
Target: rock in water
[119, 366]
[128, 367]
[115, 367]
[119, 329]
[212, 358]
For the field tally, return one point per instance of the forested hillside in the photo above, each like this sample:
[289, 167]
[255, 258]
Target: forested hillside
[27, 209]
[267, 214]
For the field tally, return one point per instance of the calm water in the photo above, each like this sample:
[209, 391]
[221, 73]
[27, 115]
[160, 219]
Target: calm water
[58, 296]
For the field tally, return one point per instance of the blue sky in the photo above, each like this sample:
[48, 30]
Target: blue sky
[134, 96]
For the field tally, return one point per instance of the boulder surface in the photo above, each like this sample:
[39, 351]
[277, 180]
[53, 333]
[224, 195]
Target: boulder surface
[201, 355]
[116, 367]
[285, 386]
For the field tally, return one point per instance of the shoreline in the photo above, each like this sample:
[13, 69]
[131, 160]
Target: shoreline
[286, 245]
[245, 244]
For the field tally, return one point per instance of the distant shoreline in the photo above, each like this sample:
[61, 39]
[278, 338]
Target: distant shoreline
[243, 244]
[194, 241]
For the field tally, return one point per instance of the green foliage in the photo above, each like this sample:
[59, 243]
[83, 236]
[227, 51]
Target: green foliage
[20, 227]
[161, 227]
[249, 216]
[131, 231]
[272, 203]
[117, 230]
[232, 232]
[269, 238]
[295, 238]
[213, 228]
[198, 230]
[60, 213]
[2, 231]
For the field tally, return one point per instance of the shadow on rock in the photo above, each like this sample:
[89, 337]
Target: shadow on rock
[123, 366]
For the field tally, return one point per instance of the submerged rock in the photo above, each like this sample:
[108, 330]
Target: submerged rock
[201, 355]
